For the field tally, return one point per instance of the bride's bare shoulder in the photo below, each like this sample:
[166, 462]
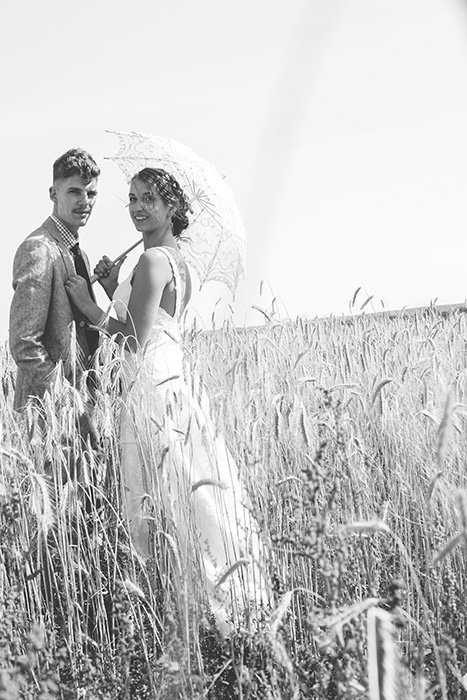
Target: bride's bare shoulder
[154, 257]
[152, 263]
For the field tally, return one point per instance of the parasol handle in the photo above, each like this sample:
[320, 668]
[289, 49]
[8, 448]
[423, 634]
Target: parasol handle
[94, 278]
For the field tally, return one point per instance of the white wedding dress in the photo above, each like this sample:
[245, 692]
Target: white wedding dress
[173, 459]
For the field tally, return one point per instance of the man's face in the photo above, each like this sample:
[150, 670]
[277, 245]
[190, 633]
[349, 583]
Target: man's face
[73, 200]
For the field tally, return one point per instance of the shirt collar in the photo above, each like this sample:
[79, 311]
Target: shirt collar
[70, 239]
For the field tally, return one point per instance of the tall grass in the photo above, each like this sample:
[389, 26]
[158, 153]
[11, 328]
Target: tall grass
[349, 437]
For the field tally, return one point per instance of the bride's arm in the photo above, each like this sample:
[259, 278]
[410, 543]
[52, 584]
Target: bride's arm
[151, 277]
[108, 273]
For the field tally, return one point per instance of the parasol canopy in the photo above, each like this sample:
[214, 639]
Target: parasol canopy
[214, 242]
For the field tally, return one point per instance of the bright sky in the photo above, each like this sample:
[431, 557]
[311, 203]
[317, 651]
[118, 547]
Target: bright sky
[341, 126]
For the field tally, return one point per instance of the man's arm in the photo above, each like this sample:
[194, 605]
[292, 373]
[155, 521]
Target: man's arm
[32, 284]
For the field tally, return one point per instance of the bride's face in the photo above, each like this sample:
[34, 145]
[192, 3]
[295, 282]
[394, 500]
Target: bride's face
[147, 209]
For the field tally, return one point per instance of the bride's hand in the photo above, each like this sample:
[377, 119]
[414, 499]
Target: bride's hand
[108, 273]
[77, 289]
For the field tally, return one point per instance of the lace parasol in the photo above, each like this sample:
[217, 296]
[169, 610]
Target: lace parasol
[214, 242]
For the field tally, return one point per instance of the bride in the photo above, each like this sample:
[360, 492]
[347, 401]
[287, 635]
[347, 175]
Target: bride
[170, 448]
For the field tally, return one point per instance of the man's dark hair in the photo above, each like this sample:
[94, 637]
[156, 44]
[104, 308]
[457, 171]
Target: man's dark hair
[76, 161]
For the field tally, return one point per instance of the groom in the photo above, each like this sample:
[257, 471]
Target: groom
[45, 329]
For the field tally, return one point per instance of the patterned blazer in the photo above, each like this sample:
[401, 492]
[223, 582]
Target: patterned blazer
[44, 328]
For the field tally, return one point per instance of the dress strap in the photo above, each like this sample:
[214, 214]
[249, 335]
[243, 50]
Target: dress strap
[176, 277]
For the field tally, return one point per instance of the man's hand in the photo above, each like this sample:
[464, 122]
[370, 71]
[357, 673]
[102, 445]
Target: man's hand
[77, 289]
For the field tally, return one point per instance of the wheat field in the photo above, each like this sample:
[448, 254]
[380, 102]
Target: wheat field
[349, 435]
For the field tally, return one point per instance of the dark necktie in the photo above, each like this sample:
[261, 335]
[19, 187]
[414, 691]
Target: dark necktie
[80, 266]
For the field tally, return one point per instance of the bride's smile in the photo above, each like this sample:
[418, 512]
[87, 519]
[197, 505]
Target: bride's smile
[148, 210]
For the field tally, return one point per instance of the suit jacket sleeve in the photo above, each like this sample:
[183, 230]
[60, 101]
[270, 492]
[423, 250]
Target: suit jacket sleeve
[32, 284]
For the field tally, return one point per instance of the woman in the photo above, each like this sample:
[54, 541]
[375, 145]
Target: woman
[170, 450]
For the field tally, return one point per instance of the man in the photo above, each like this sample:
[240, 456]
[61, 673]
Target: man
[45, 329]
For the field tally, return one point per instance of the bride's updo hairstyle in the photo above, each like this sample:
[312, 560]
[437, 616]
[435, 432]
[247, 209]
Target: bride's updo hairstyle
[167, 187]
